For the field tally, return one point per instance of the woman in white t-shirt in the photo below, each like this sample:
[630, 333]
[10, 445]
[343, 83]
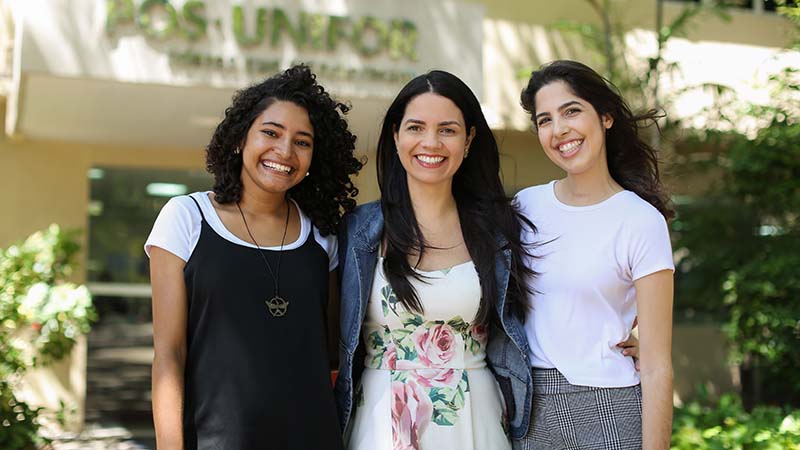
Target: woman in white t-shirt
[240, 276]
[604, 258]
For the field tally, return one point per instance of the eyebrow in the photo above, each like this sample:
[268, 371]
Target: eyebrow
[561, 108]
[280, 125]
[444, 123]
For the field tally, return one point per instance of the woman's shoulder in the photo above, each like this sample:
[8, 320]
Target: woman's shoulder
[638, 212]
[177, 226]
[368, 208]
[532, 191]
[363, 224]
[364, 213]
[532, 195]
[638, 206]
[189, 201]
[187, 206]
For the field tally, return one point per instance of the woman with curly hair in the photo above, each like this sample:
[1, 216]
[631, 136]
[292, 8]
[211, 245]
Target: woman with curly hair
[240, 276]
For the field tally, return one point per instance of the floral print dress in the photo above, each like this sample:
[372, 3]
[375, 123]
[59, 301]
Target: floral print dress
[426, 385]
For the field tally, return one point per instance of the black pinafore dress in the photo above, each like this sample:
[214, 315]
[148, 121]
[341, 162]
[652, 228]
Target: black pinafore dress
[252, 380]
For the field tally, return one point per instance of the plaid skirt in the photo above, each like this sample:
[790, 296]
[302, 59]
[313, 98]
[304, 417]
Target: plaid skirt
[566, 417]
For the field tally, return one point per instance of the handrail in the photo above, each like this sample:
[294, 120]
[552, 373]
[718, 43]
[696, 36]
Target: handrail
[131, 290]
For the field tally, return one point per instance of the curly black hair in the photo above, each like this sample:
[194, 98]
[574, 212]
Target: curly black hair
[327, 193]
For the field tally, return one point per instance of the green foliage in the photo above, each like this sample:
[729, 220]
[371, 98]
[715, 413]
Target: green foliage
[18, 426]
[791, 10]
[740, 242]
[726, 425]
[42, 316]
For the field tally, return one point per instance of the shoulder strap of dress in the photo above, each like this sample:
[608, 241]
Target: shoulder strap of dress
[198, 208]
[311, 235]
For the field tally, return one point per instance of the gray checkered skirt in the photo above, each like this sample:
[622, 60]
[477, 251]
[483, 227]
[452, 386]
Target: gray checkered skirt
[567, 417]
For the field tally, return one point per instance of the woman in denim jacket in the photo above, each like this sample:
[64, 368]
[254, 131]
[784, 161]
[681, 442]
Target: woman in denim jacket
[443, 222]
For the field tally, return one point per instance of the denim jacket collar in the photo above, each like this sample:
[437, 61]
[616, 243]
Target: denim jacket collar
[368, 235]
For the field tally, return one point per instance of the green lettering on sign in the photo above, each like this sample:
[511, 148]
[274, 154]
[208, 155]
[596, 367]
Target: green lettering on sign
[317, 31]
[369, 36]
[239, 26]
[118, 11]
[193, 14]
[280, 23]
[145, 20]
[402, 39]
[336, 30]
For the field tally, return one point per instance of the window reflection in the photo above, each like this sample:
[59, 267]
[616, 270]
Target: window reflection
[123, 205]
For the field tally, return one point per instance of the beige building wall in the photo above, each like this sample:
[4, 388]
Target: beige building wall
[47, 182]
[522, 161]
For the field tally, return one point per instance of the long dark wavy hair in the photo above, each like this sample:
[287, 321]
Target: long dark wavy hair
[632, 162]
[327, 193]
[485, 212]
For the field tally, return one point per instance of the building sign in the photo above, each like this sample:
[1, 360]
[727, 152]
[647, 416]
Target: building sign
[263, 30]
[359, 48]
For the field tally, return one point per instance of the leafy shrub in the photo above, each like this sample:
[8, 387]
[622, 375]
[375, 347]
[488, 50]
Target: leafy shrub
[739, 245]
[726, 425]
[41, 316]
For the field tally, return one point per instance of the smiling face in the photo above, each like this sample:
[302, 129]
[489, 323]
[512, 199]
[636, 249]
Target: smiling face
[431, 139]
[571, 132]
[278, 148]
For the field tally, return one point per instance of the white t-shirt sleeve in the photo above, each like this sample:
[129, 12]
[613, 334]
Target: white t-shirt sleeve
[650, 250]
[522, 198]
[331, 246]
[176, 229]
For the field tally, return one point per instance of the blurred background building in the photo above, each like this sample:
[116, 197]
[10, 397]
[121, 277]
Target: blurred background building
[106, 107]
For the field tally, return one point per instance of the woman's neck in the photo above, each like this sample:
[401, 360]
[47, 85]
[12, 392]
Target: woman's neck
[263, 203]
[432, 203]
[587, 188]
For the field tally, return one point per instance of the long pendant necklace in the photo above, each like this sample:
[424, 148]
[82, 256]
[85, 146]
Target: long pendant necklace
[277, 305]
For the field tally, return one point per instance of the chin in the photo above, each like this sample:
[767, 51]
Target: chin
[278, 188]
[429, 180]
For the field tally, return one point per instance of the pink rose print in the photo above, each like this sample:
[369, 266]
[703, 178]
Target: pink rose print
[444, 377]
[389, 360]
[435, 345]
[411, 413]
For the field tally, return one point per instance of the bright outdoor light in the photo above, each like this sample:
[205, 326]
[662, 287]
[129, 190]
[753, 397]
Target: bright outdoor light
[96, 174]
[166, 189]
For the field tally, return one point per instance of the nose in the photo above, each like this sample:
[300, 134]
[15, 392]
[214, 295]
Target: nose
[431, 140]
[560, 127]
[283, 147]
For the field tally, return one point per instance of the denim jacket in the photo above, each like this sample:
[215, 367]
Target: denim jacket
[507, 350]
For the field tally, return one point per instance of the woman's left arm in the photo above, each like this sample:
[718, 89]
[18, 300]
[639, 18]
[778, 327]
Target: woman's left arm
[654, 303]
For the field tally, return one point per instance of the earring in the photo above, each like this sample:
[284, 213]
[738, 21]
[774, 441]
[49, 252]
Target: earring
[466, 152]
[308, 173]
[237, 150]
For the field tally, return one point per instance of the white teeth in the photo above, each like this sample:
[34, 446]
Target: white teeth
[569, 146]
[430, 159]
[276, 166]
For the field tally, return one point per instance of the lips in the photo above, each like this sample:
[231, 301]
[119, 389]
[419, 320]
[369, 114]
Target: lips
[430, 161]
[277, 167]
[569, 148]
